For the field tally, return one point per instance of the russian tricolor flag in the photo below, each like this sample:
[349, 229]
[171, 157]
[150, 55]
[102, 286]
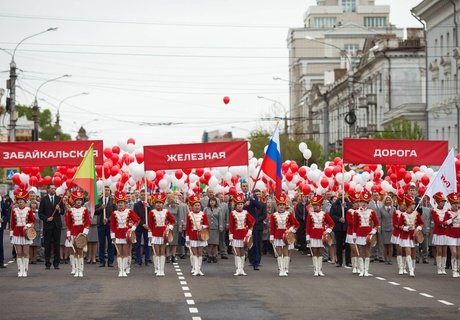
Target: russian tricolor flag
[271, 164]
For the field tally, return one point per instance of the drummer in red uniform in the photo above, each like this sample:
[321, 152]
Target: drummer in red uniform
[365, 224]
[409, 221]
[281, 222]
[395, 239]
[240, 224]
[78, 221]
[452, 220]
[355, 199]
[21, 217]
[119, 222]
[160, 219]
[196, 222]
[319, 224]
[439, 232]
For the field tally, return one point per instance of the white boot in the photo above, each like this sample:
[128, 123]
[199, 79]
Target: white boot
[410, 266]
[280, 265]
[354, 265]
[157, 264]
[25, 263]
[455, 273]
[77, 267]
[439, 264]
[120, 266]
[237, 265]
[366, 267]
[287, 260]
[192, 262]
[361, 266]
[20, 263]
[320, 266]
[315, 265]
[242, 266]
[400, 265]
[161, 266]
[82, 267]
[128, 265]
[72, 263]
[404, 264]
[124, 264]
[443, 265]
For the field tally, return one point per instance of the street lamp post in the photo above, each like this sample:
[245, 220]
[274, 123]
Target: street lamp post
[35, 108]
[58, 125]
[11, 85]
[351, 114]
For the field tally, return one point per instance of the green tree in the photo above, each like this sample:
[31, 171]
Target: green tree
[401, 129]
[48, 130]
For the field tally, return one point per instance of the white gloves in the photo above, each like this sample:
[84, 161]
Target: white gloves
[272, 237]
[419, 228]
[149, 234]
[373, 231]
[170, 227]
[28, 225]
[308, 238]
[292, 229]
[85, 231]
[449, 221]
[230, 237]
[112, 235]
[249, 232]
[328, 230]
[406, 228]
[133, 228]
[68, 234]
[187, 239]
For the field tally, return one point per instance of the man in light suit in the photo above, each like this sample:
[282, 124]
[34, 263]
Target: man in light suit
[104, 211]
[50, 211]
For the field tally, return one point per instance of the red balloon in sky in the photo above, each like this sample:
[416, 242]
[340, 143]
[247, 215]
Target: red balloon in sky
[226, 100]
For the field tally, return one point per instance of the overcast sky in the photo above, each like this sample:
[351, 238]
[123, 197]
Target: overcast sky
[157, 71]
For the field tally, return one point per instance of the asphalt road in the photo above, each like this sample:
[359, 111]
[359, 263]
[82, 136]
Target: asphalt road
[55, 294]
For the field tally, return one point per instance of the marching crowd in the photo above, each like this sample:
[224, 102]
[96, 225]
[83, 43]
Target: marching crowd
[350, 230]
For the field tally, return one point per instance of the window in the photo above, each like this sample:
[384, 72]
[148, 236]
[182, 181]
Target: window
[375, 21]
[351, 49]
[349, 5]
[325, 22]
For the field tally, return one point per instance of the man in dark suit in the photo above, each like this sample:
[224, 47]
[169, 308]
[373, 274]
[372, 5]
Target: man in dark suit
[4, 218]
[104, 211]
[252, 205]
[142, 230]
[301, 213]
[337, 214]
[50, 210]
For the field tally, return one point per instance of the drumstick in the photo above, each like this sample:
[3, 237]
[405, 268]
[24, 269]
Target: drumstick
[357, 250]
[116, 247]
[274, 250]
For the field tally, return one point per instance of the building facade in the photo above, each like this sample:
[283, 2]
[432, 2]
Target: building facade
[443, 53]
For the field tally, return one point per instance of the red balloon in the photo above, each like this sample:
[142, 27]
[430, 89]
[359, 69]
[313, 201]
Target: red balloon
[62, 169]
[57, 181]
[108, 152]
[139, 157]
[178, 174]
[114, 170]
[116, 149]
[421, 191]
[114, 157]
[232, 191]
[457, 165]
[199, 171]
[46, 180]
[337, 160]
[324, 182]
[207, 176]
[226, 100]
[131, 140]
[159, 174]
[289, 176]
[393, 177]
[337, 169]
[234, 180]
[124, 177]
[425, 180]
[328, 172]
[401, 173]
[16, 179]
[187, 171]
[284, 167]
[27, 170]
[408, 177]
[302, 172]
[306, 189]
[294, 167]
[99, 171]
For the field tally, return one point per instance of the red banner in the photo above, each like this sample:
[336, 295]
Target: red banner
[197, 155]
[407, 152]
[48, 153]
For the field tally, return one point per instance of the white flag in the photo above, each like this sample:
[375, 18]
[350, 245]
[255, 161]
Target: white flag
[445, 180]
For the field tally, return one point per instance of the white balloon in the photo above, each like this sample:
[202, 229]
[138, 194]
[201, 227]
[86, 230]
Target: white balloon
[253, 162]
[359, 188]
[163, 184]
[113, 187]
[302, 147]
[193, 177]
[369, 185]
[250, 154]
[307, 154]
[64, 185]
[60, 191]
[314, 166]
[366, 176]
[150, 175]
[122, 145]
[260, 185]
[347, 176]
[213, 182]
[423, 168]
[24, 178]
[430, 172]
[339, 177]
[130, 148]
[100, 186]
[249, 145]
[227, 176]
[131, 181]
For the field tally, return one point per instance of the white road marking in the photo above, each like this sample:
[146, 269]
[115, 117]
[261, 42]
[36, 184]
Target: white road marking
[183, 282]
[190, 302]
[393, 283]
[426, 295]
[187, 294]
[409, 289]
[180, 274]
[185, 289]
[447, 303]
[193, 310]
[181, 278]
[196, 318]
[380, 278]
